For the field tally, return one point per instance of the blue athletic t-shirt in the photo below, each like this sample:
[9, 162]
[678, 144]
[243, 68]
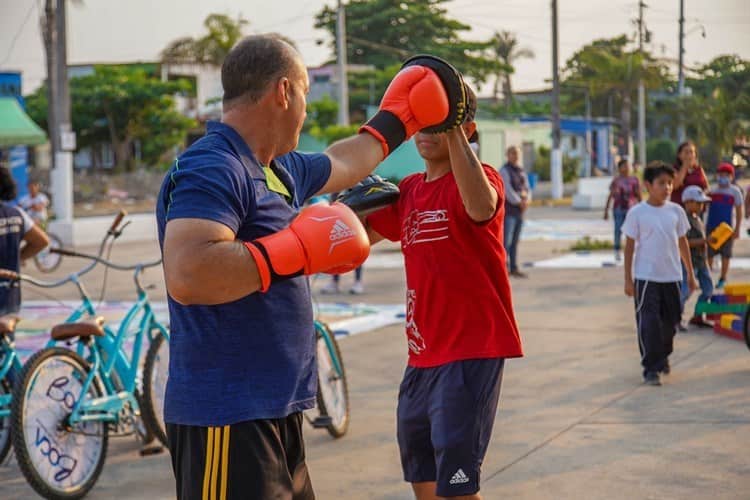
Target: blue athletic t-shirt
[253, 358]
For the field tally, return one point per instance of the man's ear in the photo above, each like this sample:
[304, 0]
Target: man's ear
[283, 88]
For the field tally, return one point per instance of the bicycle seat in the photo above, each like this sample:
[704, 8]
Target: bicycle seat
[65, 331]
[8, 324]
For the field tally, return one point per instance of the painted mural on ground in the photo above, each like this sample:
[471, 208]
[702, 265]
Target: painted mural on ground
[38, 317]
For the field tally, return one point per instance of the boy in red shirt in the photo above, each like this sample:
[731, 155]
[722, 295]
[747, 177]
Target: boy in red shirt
[460, 325]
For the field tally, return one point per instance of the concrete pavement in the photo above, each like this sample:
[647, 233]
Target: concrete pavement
[574, 421]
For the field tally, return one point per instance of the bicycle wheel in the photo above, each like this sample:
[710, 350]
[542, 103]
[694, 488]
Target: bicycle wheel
[5, 389]
[155, 371]
[47, 261]
[58, 460]
[333, 392]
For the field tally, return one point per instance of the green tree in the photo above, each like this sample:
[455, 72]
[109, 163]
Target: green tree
[610, 66]
[121, 105]
[718, 111]
[382, 33]
[223, 33]
[508, 50]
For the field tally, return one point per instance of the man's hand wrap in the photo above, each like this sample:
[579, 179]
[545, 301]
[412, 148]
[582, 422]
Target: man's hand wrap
[322, 238]
[371, 193]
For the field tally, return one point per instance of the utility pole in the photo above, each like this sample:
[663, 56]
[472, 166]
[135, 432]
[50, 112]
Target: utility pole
[641, 90]
[48, 34]
[556, 153]
[60, 129]
[341, 60]
[681, 75]
[587, 163]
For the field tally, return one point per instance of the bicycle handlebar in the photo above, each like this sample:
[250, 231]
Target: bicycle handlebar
[119, 267]
[118, 218]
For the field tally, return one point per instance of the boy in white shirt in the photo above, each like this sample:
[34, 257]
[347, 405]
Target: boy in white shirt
[655, 230]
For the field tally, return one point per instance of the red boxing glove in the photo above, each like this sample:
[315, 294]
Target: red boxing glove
[322, 238]
[415, 99]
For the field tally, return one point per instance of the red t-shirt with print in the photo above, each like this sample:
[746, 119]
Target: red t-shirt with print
[458, 298]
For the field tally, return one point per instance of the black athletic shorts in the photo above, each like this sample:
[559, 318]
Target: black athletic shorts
[257, 459]
[445, 418]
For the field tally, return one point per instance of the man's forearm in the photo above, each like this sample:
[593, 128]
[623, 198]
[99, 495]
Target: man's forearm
[478, 195]
[352, 159]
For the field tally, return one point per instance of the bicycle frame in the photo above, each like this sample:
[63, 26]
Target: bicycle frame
[11, 361]
[107, 357]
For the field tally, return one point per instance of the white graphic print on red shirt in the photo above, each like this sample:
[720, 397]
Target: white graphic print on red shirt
[422, 227]
[414, 339]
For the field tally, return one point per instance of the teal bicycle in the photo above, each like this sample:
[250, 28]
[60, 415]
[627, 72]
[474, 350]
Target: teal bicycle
[10, 368]
[333, 392]
[67, 402]
[10, 362]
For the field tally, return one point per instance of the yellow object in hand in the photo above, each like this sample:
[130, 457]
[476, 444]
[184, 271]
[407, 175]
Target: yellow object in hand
[720, 235]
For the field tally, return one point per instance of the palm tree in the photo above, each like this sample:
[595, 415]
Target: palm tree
[211, 48]
[506, 47]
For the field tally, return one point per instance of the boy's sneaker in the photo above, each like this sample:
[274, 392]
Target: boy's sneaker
[331, 288]
[618, 257]
[651, 378]
[720, 283]
[666, 370]
[700, 322]
[357, 288]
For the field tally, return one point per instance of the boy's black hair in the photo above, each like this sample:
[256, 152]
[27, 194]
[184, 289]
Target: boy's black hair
[655, 169]
[8, 189]
[621, 163]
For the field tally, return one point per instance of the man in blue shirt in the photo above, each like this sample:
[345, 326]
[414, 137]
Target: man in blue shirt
[235, 249]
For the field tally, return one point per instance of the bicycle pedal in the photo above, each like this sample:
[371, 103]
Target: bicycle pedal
[147, 451]
[322, 422]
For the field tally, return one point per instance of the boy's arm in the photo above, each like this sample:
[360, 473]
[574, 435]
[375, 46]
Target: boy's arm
[606, 206]
[629, 249]
[696, 242]
[479, 196]
[738, 220]
[685, 254]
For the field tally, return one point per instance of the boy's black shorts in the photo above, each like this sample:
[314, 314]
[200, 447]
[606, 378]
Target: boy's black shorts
[724, 250]
[256, 459]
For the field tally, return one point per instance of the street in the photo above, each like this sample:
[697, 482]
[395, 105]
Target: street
[574, 421]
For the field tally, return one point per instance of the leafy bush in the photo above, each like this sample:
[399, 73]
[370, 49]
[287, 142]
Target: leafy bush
[571, 166]
[588, 243]
[661, 150]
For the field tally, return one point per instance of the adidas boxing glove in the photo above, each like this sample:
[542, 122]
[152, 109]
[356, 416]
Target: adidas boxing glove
[414, 99]
[322, 238]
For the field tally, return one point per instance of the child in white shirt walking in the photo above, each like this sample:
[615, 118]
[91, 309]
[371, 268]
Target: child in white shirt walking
[655, 230]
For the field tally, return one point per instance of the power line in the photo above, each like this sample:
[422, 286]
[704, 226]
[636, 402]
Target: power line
[18, 33]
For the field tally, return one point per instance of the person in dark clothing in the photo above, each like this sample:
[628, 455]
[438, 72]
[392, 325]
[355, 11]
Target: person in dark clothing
[20, 239]
[517, 198]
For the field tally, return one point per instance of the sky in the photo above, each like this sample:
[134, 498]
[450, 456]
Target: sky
[137, 30]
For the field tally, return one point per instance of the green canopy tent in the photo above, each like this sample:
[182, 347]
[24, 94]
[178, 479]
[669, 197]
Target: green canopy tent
[16, 128]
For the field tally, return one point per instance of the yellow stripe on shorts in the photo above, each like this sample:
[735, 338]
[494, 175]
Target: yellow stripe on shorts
[224, 463]
[207, 468]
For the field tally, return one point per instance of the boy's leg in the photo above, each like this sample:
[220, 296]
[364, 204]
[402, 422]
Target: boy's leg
[670, 312]
[648, 317]
[704, 280]
[413, 430]
[462, 413]
[619, 216]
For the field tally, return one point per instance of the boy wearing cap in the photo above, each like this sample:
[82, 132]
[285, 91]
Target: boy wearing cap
[726, 206]
[694, 200]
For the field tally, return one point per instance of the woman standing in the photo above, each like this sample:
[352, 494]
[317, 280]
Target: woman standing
[688, 171]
